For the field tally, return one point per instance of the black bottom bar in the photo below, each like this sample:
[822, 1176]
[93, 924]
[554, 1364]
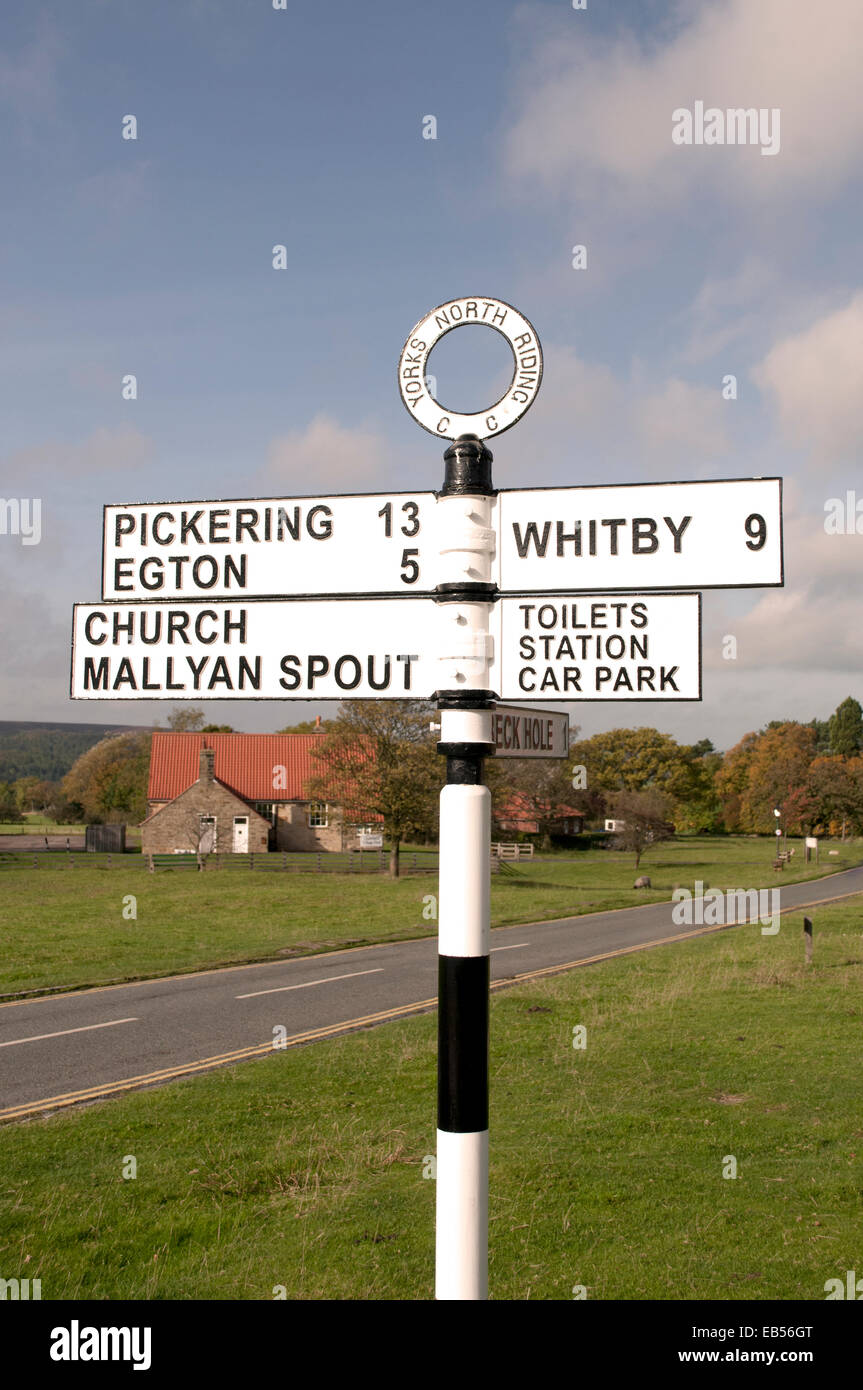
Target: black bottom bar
[462, 1084]
[214, 1338]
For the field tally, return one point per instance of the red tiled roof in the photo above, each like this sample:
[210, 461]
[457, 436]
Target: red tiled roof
[244, 764]
[519, 806]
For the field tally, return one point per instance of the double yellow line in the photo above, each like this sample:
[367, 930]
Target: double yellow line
[223, 1059]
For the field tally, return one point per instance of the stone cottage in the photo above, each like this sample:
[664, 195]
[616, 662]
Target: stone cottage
[239, 793]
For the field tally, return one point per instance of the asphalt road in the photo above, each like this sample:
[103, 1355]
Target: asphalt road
[64, 1049]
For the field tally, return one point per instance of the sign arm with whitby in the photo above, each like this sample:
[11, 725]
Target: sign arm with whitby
[469, 596]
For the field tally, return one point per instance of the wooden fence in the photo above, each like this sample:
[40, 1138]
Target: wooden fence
[281, 861]
[511, 851]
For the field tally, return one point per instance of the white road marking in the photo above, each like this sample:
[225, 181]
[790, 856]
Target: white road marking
[516, 947]
[37, 1037]
[308, 984]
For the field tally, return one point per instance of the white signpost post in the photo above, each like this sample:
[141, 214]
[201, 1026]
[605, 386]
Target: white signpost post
[468, 596]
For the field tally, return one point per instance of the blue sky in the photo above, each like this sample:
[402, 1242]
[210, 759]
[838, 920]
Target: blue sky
[304, 127]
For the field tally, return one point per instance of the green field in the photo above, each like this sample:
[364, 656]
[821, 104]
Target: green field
[305, 1170]
[62, 924]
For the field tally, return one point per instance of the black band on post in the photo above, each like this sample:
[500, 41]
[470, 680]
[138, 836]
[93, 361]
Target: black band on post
[471, 590]
[462, 1083]
[464, 762]
[465, 699]
[467, 468]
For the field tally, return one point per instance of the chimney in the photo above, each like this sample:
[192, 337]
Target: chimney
[205, 765]
[317, 723]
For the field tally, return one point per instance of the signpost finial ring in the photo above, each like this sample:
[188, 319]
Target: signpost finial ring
[519, 395]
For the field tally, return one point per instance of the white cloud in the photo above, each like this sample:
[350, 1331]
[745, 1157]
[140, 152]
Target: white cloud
[729, 311]
[812, 625]
[682, 422]
[326, 455]
[587, 418]
[596, 113]
[816, 380]
[36, 641]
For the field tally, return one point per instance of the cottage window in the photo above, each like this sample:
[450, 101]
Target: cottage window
[318, 815]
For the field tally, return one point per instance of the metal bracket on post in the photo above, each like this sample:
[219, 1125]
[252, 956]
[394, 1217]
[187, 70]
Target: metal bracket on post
[465, 595]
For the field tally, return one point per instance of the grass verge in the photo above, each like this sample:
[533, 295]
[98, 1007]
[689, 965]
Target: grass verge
[304, 1171]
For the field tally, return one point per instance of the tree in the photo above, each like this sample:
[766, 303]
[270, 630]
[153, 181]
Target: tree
[835, 792]
[109, 781]
[63, 812]
[306, 726]
[645, 820]
[846, 729]
[195, 833]
[217, 729]
[641, 759]
[33, 793]
[629, 759]
[378, 757]
[692, 789]
[821, 730]
[732, 779]
[777, 778]
[186, 720]
[10, 813]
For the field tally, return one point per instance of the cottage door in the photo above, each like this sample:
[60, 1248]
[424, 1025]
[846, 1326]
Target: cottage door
[241, 834]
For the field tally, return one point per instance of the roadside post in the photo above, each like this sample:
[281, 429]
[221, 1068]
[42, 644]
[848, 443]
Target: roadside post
[465, 703]
[465, 593]
[469, 597]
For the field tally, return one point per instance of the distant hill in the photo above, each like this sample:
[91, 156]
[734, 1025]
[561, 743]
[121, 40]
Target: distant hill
[48, 750]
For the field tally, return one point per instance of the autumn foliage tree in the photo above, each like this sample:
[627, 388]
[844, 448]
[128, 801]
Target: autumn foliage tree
[768, 771]
[109, 781]
[379, 757]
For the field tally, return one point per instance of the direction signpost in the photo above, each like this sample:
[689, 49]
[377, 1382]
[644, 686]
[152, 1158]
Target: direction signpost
[469, 596]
